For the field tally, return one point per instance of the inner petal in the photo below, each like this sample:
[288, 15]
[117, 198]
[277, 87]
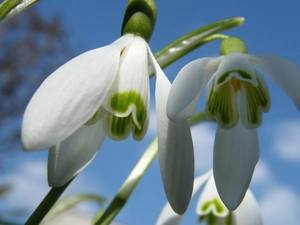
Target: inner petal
[254, 101]
[212, 219]
[130, 115]
[222, 105]
[128, 100]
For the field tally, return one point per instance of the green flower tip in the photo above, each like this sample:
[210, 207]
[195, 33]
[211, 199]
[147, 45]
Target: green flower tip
[233, 44]
[139, 18]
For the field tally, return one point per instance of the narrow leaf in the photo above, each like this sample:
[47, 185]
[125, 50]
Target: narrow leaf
[69, 202]
[193, 40]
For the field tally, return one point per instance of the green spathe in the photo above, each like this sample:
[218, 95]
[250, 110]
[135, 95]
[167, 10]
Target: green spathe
[233, 44]
[140, 18]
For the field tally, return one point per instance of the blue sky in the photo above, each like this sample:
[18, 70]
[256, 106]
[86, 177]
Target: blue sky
[270, 27]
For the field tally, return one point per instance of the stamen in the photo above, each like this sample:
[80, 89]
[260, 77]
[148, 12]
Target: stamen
[237, 84]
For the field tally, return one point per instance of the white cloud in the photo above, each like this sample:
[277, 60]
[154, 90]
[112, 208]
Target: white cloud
[262, 174]
[280, 205]
[287, 140]
[152, 129]
[29, 186]
[203, 137]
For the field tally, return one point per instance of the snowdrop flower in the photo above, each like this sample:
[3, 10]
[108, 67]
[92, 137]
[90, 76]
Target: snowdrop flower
[102, 92]
[211, 209]
[237, 96]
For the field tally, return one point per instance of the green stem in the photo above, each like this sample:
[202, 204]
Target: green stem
[134, 177]
[38, 215]
[6, 6]
[197, 118]
[193, 40]
[132, 180]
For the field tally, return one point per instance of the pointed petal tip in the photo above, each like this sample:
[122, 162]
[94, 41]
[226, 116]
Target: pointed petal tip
[234, 163]
[180, 207]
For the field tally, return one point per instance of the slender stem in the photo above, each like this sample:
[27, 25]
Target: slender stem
[134, 177]
[6, 6]
[197, 118]
[132, 180]
[38, 215]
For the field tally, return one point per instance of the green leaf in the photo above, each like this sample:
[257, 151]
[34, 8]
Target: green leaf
[193, 40]
[9, 8]
[69, 202]
[128, 186]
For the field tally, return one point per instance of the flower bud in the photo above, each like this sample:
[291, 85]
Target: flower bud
[139, 18]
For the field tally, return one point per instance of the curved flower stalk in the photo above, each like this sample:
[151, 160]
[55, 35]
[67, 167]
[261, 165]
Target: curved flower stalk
[211, 209]
[102, 92]
[237, 96]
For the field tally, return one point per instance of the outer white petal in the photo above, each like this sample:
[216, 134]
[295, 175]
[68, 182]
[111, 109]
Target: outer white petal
[236, 152]
[248, 212]
[209, 194]
[188, 86]
[282, 72]
[70, 96]
[167, 215]
[72, 155]
[175, 148]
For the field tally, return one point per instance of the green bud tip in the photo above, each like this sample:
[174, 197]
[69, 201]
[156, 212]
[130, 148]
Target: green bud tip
[139, 18]
[233, 44]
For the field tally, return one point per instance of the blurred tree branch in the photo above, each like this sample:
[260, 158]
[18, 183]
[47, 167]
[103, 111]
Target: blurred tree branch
[31, 47]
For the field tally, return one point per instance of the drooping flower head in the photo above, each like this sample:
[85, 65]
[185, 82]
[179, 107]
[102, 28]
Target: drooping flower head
[236, 97]
[102, 92]
[211, 209]
[237, 91]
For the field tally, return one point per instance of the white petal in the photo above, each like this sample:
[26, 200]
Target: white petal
[130, 94]
[71, 156]
[70, 96]
[175, 148]
[248, 212]
[168, 216]
[210, 194]
[188, 86]
[132, 75]
[282, 72]
[236, 152]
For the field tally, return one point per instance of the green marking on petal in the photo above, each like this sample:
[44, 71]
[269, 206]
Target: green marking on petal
[216, 203]
[219, 207]
[258, 101]
[136, 121]
[222, 106]
[210, 218]
[242, 73]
